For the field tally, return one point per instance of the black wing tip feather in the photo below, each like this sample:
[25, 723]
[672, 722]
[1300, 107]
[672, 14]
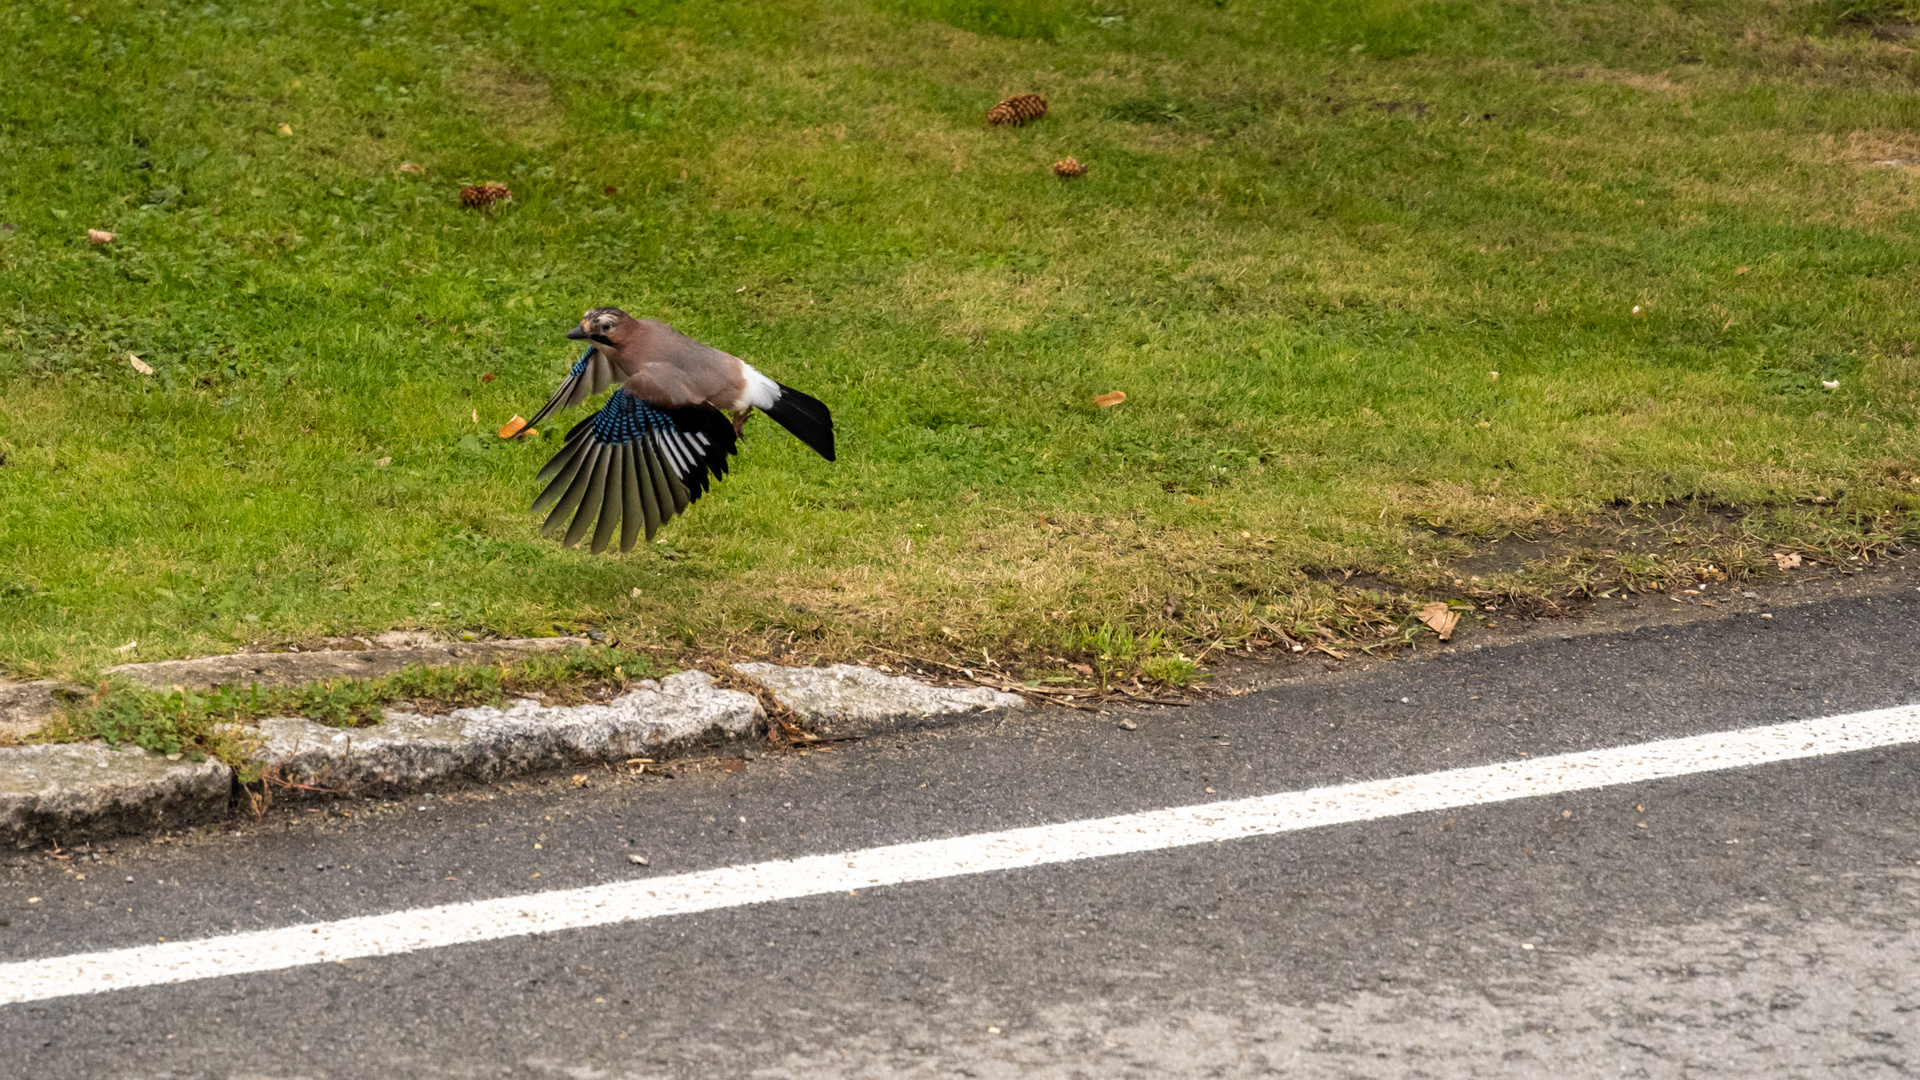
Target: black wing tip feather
[722, 443]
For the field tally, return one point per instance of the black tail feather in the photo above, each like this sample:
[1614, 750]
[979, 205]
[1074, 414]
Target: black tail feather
[807, 417]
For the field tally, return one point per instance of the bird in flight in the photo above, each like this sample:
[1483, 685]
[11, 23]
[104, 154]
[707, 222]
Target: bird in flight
[662, 437]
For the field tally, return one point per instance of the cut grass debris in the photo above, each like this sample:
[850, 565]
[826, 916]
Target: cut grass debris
[1381, 281]
[200, 724]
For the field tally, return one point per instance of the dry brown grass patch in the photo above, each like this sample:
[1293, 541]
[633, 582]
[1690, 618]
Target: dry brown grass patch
[518, 103]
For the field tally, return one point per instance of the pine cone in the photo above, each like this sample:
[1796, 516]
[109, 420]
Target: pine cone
[485, 195]
[1068, 168]
[1018, 109]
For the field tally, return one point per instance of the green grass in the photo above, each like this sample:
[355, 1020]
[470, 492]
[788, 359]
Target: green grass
[202, 724]
[1311, 234]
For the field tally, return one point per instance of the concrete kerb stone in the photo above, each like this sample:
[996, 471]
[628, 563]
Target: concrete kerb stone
[407, 751]
[25, 707]
[846, 700]
[69, 792]
[294, 668]
[65, 793]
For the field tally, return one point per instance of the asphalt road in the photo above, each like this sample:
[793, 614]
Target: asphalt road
[1759, 922]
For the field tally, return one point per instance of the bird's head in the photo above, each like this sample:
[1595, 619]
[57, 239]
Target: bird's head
[604, 326]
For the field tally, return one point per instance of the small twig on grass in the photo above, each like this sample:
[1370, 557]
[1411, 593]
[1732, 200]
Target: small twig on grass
[259, 802]
[1216, 643]
[1152, 700]
[277, 782]
[1285, 638]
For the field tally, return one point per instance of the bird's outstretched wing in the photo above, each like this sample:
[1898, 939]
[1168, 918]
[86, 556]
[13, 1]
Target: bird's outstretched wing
[592, 373]
[632, 466]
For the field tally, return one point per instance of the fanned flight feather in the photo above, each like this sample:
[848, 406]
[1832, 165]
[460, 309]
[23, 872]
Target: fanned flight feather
[630, 467]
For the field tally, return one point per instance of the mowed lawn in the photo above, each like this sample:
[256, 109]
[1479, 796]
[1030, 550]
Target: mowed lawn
[1312, 234]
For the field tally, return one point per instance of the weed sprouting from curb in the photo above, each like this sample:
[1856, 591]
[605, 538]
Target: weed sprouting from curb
[198, 724]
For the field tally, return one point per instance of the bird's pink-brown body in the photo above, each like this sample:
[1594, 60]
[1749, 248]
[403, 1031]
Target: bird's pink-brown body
[663, 367]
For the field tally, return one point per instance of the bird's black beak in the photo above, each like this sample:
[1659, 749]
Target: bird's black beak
[577, 334]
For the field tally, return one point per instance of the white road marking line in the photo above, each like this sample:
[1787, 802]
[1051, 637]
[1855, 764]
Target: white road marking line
[734, 886]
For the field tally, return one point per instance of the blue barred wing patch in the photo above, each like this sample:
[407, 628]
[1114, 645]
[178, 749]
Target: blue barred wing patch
[588, 376]
[631, 466]
[626, 419]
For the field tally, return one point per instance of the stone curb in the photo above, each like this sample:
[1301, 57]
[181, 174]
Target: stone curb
[291, 668]
[406, 751]
[24, 707]
[59, 793]
[66, 793]
[849, 701]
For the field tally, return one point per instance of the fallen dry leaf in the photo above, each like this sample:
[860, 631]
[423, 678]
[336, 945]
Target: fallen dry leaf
[99, 236]
[1108, 401]
[286, 129]
[582, 780]
[488, 377]
[476, 416]
[513, 427]
[1741, 270]
[1440, 618]
[410, 167]
[383, 463]
[1084, 669]
[139, 365]
[635, 594]
[1786, 560]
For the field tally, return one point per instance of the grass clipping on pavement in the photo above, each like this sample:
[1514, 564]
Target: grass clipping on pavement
[1381, 282]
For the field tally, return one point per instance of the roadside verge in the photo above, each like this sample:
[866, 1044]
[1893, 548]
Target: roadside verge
[69, 792]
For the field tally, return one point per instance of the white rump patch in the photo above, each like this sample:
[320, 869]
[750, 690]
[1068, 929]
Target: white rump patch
[762, 392]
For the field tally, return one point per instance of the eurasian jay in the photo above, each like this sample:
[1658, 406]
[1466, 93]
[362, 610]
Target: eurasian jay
[661, 438]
